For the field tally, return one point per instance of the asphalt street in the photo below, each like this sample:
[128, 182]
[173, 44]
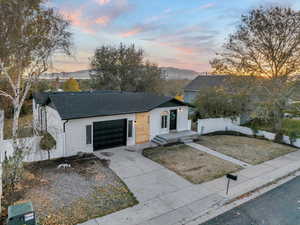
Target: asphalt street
[280, 206]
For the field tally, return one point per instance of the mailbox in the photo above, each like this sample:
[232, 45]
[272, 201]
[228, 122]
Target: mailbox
[21, 214]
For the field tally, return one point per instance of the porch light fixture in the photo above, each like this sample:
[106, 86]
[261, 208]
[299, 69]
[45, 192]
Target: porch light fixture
[180, 110]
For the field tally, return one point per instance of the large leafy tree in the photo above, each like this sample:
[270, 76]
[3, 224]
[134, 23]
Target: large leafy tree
[30, 34]
[266, 45]
[124, 68]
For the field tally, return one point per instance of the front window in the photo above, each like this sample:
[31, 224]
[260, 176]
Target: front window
[130, 128]
[164, 121]
[88, 130]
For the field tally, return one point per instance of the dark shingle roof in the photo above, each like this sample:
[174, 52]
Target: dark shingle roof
[206, 81]
[72, 105]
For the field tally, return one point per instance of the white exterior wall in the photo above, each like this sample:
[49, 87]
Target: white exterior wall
[155, 120]
[74, 139]
[55, 128]
[76, 132]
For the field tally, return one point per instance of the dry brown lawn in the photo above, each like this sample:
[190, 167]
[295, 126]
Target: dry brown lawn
[192, 164]
[250, 150]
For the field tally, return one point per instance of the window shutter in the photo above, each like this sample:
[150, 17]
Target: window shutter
[89, 134]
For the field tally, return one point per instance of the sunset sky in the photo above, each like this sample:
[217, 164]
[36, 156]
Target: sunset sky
[178, 33]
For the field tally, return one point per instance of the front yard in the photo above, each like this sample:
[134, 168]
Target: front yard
[250, 150]
[73, 195]
[190, 163]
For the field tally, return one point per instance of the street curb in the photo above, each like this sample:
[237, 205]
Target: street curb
[252, 187]
[255, 184]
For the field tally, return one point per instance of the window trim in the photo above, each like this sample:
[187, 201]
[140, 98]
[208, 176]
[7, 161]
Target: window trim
[88, 135]
[130, 129]
[164, 122]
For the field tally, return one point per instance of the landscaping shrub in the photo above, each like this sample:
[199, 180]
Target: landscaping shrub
[47, 143]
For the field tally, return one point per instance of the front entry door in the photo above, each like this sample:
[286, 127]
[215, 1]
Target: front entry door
[173, 119]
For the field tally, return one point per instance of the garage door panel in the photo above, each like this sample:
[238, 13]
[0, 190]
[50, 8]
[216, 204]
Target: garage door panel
[110, 137]
[109, 134]
[109, 131]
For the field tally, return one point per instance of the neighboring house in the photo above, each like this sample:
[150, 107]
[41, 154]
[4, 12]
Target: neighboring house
[95, 120]
[202, 82]
[192, 90]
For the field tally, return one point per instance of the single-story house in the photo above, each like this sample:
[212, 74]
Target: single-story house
[192, 90]
[95, 120]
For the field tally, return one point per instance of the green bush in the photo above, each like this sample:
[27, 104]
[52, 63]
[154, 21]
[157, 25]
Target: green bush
[47, 142]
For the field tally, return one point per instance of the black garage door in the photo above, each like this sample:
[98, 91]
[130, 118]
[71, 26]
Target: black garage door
[109, 134]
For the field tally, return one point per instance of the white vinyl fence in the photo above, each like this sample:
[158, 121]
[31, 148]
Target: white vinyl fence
[206, 126]
[31, 146]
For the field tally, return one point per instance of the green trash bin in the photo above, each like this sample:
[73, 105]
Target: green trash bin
[21, 214]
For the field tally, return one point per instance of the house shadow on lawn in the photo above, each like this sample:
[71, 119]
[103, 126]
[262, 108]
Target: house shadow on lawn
[68, 196]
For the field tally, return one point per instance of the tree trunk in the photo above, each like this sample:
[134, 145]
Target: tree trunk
[15, 122]
[278, 124]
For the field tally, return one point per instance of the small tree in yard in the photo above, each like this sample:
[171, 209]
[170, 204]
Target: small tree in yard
[47, 143]
[30, 34]
[71, 85]
[124, 68]
[266, 46]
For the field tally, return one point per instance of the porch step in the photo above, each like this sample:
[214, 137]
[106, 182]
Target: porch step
[159, 140]
[181, 136]
[187, 140]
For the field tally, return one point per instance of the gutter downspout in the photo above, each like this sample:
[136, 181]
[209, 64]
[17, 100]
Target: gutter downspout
[65, 137]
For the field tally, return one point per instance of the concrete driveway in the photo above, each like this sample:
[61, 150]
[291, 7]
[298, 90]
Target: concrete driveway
[164, 197]
[145, 178]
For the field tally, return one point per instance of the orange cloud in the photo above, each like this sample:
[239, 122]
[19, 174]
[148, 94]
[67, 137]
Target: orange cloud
[76, 20]
[103, 20]
[131, 32]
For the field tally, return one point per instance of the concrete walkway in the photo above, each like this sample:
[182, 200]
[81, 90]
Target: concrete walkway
[218, 154]
[168, 199]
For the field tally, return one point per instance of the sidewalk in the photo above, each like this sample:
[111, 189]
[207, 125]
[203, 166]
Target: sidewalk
[189, 202]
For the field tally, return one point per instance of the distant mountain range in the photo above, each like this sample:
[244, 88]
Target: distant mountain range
[171, 73]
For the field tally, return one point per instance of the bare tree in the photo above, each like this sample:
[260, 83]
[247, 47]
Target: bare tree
[30, 34]
[266, 45]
